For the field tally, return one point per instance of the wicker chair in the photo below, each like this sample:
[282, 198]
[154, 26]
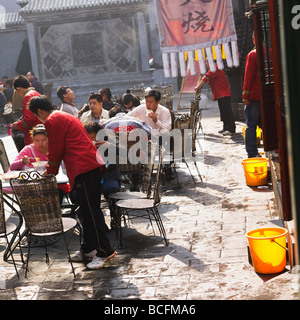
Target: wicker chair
[4, 162]
[130, 172]
[146, 180]
[143, 208]
[7, 228]
[38, 200]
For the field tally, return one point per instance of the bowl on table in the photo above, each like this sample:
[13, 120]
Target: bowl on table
[40, 165]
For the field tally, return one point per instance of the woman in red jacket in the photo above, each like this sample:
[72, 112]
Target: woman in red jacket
[69, 141]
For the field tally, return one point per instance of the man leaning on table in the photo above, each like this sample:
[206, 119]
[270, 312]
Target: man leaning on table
[69, 142]
[156, 116]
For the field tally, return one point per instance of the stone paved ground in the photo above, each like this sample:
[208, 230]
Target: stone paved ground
[207, 256]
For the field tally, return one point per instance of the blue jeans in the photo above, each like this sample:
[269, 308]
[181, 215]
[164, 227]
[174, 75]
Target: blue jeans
[109, 186]
[253, 119]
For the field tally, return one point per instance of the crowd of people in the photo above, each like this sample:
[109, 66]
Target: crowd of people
[69, 135]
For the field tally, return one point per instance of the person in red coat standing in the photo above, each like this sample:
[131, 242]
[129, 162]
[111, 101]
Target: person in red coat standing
[69, 142]
[221, 92]
[251, 101]
[29, 121]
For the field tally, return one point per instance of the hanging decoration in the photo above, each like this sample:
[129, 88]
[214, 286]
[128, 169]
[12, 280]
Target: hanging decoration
[198, 29]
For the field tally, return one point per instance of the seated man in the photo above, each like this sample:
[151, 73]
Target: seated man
[152, 113]
[96, 112]
[121, 122]
[9, 90]
[67, 97]
[112, 175]
[159, 119]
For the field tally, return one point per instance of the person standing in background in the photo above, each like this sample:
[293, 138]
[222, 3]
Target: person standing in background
[34, 82]
[221, 92]
[251, 101]
[23, 88]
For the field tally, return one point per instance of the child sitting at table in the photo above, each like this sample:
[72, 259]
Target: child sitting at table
[35, 152]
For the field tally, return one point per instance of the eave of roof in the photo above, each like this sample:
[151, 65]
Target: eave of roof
[43, 6]
[13, 19]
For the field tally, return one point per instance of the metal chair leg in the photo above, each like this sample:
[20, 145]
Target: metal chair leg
[46, 251]
[190, 171]
[198, 171]
[69, 257]
[28, 254]
[13, 259]
[160, 225]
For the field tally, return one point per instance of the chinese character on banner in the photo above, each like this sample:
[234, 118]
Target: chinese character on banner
[191, 26]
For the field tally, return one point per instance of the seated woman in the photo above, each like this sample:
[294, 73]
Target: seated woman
[37, 151]
[129, 101]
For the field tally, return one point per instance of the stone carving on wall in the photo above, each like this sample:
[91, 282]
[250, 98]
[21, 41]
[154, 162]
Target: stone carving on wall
[87, 49]
[82, 49]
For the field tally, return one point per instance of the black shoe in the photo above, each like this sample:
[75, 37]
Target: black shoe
[221, 131]
[255, 156]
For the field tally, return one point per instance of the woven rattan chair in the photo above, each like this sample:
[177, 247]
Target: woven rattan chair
[4, 162]
[143, 208]
[130, 172]
[38, 200]
[7, 228]
[146, 180]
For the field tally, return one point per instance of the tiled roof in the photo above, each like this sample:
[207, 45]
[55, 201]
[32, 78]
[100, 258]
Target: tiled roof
[13, 18]
[39, 6]
[22, 2]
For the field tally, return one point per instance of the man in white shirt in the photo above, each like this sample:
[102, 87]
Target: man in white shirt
[155, 115]
[158, 119]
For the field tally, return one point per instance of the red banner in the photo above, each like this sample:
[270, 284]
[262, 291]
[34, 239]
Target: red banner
[186, 23]
[189, 25]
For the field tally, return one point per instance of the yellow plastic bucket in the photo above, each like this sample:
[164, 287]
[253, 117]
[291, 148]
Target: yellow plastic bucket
[256, 171]
[268, 249]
